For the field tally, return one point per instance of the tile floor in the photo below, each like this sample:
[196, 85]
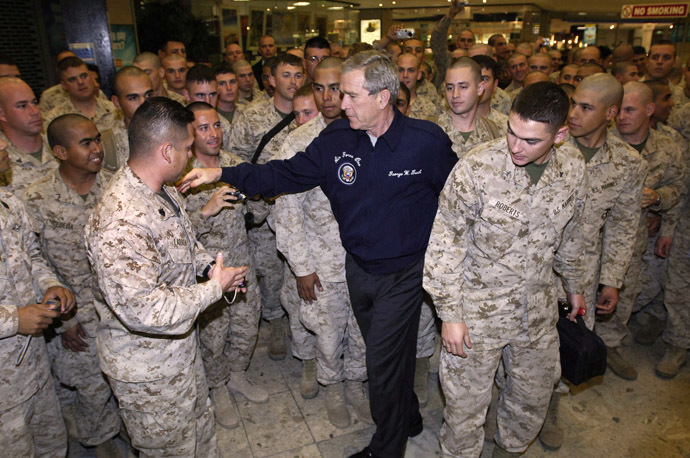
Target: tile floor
[649, 417]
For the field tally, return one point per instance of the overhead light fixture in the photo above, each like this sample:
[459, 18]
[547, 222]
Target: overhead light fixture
[291, 7]
[335, 7]
[301, 3]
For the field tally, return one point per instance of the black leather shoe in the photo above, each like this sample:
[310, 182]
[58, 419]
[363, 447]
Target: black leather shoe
[416, 427]
[366, 453]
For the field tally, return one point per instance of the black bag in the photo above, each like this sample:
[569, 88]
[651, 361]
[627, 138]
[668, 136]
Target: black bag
[583, 353]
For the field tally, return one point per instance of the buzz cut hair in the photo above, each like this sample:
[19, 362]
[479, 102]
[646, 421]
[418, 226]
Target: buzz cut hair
[60, 129]
[69, 62]
[148, 57]
[543, 102]
[200, 74]
[199, 106]
[487, 63]
[467, 62]
[158, 119]
[305, 91]
[124, 72]
[222, 69]
[285, 59]
[317, 42]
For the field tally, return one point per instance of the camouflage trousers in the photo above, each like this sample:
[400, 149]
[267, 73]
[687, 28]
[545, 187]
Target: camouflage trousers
[427, 329]
[614, 329]
[531, 370]
[340, 350]
[35, 427]
[677, 332]
[303, 341]
[171, 417]
[96, 415]
[650, 301]
[269, 270]
[227, 332]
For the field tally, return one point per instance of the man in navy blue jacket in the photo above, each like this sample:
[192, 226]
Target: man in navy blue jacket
[383, 173]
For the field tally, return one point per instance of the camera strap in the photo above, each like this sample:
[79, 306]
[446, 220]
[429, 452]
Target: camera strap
[272, 133]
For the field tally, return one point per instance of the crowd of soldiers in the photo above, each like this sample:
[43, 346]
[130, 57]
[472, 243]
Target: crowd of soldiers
[131, 308]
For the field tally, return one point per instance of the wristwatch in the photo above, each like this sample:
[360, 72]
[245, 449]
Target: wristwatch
[208, 268]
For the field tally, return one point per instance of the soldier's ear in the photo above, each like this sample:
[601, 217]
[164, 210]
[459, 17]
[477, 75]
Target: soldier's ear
[60, 152]
[116, 101]
[166, 152]
[561, 134]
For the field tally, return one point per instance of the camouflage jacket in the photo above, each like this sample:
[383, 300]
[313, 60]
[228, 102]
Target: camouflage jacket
[501, 101]
[146, 259]
[105, 117]
[222, 232]
[612, 213]
[500, 120]
[423, 107]
[59, 215]
[25, 169]
[439, 47]
[257, 95]
[665, 175]
[116, 145]
[24, 277]
[427, 89]
[484, 131]
[306, 230]
[55, 95]
[497, 240]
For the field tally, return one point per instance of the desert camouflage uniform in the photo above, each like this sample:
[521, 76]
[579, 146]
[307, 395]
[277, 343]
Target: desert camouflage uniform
[252, 123]
[496, 242]
[677, 138]
[665, 175]
[308, 236]
[172, 95]
[30, 418]
[105, 117]
[423, 107]
[611, 217]
[500, 120]
[55, 95]
[439, 48]
[26, 168]
[484, 131]
[115, 145]
[511, 88]
[60, 216]
[147, 259]
[427, 89]
[257, 95]
[679, 97]
[227, 333]
[501, 101]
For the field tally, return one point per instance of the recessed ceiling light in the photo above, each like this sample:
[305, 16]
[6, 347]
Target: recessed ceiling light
[301, 3]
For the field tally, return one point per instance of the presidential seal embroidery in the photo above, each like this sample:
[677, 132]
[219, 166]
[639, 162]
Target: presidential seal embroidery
[347, 173]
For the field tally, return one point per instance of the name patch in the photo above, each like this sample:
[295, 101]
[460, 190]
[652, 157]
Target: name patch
[505, 208]
[404, 173]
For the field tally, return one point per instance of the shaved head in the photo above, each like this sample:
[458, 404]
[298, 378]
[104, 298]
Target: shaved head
[329, 63]
[125, 72]
[60, 129]
[535, 77]
[606, 86]
[172, 58]
[623, 52]
[7, 83]
[642, 91]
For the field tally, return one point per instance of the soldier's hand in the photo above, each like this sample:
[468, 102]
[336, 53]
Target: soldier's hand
[653, 223]
[34, 318]
[649, 197]
[197, 177]
[577, 302]
[454, 335]
[306, 287]
[662, 247]
[455, 8]
[392, 30]
[228, 277]
[59, 293]
[607, 300]
[72, 339]
[218, 201]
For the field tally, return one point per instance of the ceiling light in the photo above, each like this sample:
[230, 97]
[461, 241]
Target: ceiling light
[335, 7]
[291, 7]
[301, 3]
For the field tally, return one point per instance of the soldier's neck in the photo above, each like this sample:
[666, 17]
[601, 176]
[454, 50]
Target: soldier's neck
[226, 106]
[207, 160]
[484, 109]
[79, 181]
[245, 94]
[465, 122]
[161, 92]
[87, 106]
[638, 137]
[281, 104]
[25, 143]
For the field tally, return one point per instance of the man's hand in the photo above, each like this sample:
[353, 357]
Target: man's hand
[218, 201]
[228, 277]
[607, 300]
[306, 287]
[72, 339]
[59, 293]
[453, 336]
[662, 247]
[34, 318]
[197, 177]
[455, 8]
[649, 197]
[577, 302]
[653, 223]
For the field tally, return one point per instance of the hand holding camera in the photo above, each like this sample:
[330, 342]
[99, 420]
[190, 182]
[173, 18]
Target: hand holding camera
[224, 197]
[230, 278]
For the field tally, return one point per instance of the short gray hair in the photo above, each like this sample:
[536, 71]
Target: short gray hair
[379, 72]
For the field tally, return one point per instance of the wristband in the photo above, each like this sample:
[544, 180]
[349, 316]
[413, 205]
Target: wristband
[208, 268]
